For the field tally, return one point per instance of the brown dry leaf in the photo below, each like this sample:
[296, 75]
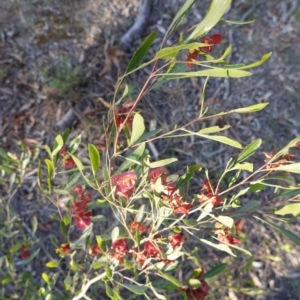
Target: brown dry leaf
[111, 56]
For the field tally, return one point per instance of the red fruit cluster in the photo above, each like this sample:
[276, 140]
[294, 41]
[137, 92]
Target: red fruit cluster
[79, 208]
[224, 234]
[94, 250]
[68, 161]
[24, 251]
[137, 226]
[124, 183]
[211, 41]
[207, 192]
[197, 293]
[121, 114]
[170, 196]
[176, 240]
[282, 160]
[64, 249]
[119, 250]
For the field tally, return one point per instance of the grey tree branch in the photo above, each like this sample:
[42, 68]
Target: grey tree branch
[138, 26]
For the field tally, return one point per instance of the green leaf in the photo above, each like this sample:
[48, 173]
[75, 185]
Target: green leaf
[195, 283]
[293, 208]
[65, 135]
[132, 158]
[58, 144]
[237, 22]
[171, 52]
[141, 52]
[147, 135]
[286, 232]
[293, 168]
[115, 233]
[138, 128]
[157, 295]
[225, 220]
[74, 144]
[162, 162]
[214, 271]
[215, 12]
[212, 72]
[244, 166]
[63, 229]
[52, 264]
[46, 278]
[99, 218]
[221, 139]
[108, 290]
[125, 93]
[257, 63]
[139, 215]
[170, 278]
[247, 208]
[220, 246]
[136, 289]
[184, 10]
[250, 109]
[248, 151]
[213, 129]
[94, 158]
[50, 169]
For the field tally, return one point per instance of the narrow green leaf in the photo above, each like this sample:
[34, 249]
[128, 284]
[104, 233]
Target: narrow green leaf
[170, 278]
[99, 218]
[141, 52]
[237, 22]
[58, 144]
[286, 232]
[184, 10]
[162, 162]
[50, 169]
[147, 135]
[108, 290]
[136, 289]
[293, 168]
[215, 12]
[65, 135]
[293, 208]
[247, 208]
[94, 158]
[171, 52]
[75, 144]
[138, 128]
[212, 72]
[132, 158]
[244, 166]
[220, 246]
[264, 58]
[125, 93]
[63, 229]
[250, 109]
[213, 129]
[248, 151]
[222, 139]
[214, 271]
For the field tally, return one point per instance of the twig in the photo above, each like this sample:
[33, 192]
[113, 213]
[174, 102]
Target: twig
[68, 119]
[138, 26]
